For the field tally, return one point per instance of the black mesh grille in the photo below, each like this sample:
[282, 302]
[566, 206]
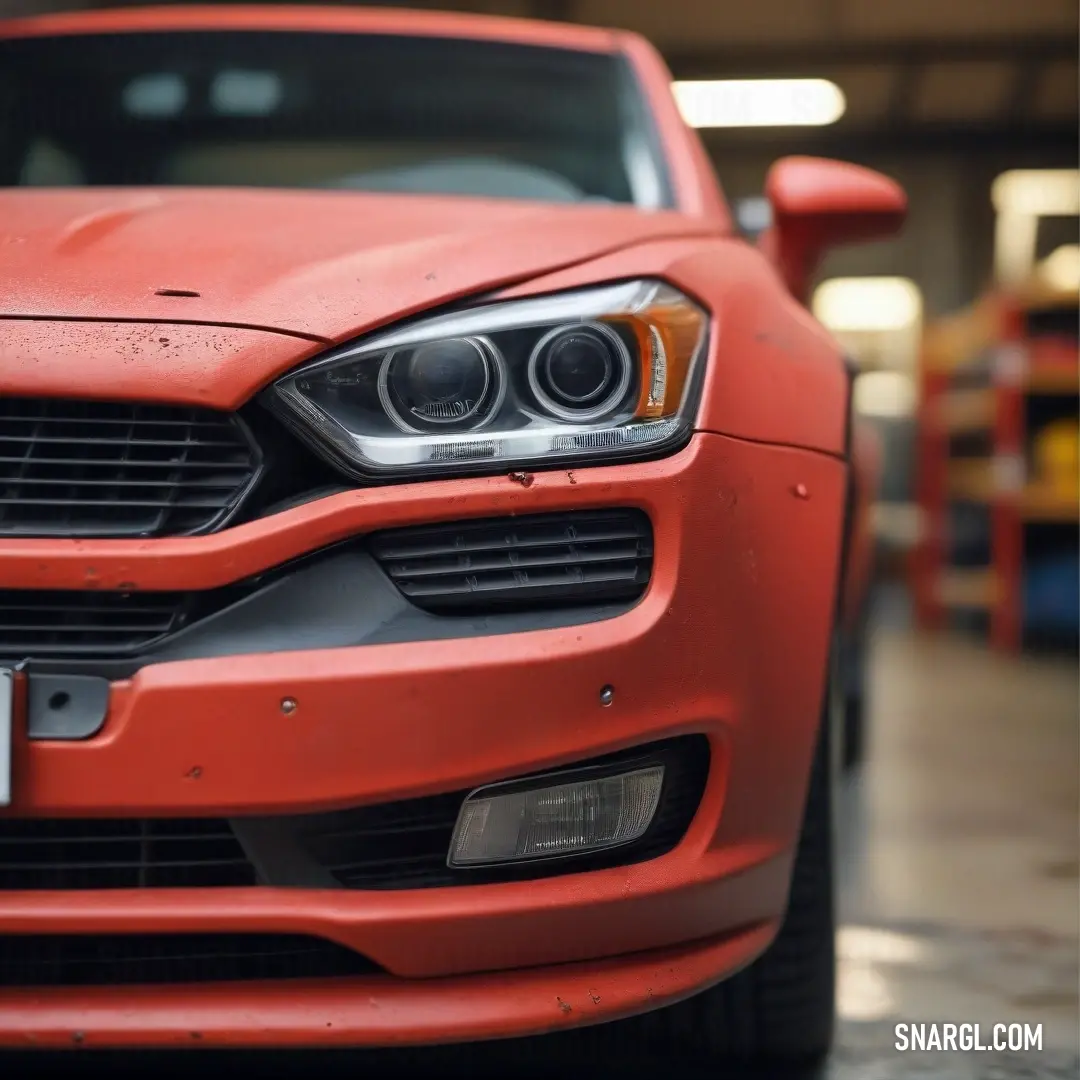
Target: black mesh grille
[394, 846]
[58, 853]
[39, 624]
[404, 845]
[94, 468]
[46, 623]
[33, 960]
[571, 558]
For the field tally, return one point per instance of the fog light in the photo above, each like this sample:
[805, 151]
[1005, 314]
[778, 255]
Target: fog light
[511, 823]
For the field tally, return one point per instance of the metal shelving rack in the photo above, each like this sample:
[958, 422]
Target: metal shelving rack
[985, 390]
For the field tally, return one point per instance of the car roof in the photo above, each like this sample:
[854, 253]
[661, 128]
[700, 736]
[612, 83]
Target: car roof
[338, 20]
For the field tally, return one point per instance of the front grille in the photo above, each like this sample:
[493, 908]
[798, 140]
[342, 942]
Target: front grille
[37, 623]
[39, 960]
[404, 845]
[564, 559]
[116, 469]
[60, 853]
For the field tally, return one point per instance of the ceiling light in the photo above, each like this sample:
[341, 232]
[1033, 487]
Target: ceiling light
[730, 103]
[887, 394]
[1061, 268]
[1042, 192]
[868, 304]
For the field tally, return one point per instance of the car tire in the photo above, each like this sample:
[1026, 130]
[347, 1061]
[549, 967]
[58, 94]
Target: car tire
[781, 1009]
[854, 731]
[854, 668]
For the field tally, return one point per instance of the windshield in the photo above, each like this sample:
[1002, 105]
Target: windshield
[317, 110]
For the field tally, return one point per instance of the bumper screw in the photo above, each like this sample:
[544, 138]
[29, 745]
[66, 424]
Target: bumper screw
[607, 696]
[288, 705]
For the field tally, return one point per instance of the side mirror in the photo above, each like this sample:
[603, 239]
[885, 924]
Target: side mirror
[819, 204]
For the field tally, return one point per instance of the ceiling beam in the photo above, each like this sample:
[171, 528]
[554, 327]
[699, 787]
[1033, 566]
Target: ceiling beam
[809, 58]
[905, 86]
[554, 10]
[1059, 142]
[1025, 84]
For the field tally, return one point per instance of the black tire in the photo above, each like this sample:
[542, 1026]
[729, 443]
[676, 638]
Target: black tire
[854, 731]
[780, 1009]
[853, 665]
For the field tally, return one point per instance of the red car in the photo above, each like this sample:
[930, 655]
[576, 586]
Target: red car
[425, 527]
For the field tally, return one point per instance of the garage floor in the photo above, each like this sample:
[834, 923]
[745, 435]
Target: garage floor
[959, 884]
[959, 896]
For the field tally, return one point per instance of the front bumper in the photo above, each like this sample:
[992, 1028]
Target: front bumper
[730, 641]
[381, 1012]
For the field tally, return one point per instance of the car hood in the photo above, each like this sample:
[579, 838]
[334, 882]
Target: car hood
[324, 265]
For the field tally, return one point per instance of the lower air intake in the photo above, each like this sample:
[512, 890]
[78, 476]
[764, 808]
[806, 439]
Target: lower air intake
[518, 563]
[39, 960]
[120, 853]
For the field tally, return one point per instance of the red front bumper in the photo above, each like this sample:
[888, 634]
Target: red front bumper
[379, 1012]
[730, 640]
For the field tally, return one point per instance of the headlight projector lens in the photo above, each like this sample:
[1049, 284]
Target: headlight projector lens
[581, 372]
[593, 374]
[453, 385]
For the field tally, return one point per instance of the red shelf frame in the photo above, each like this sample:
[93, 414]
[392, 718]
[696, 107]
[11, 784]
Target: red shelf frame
[1018, 368]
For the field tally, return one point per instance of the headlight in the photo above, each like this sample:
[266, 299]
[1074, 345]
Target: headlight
[592, 374]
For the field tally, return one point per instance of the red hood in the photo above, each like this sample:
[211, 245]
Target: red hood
[325, 265]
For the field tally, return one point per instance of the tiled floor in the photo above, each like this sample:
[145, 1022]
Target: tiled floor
[959, 888]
